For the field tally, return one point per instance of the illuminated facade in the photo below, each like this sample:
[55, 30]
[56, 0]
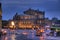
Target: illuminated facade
[11, 24]
[0, 16]
[30, 19]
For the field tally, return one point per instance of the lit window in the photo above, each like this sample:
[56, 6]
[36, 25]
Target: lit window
[35, 13]
[40, 16]
[40, 21]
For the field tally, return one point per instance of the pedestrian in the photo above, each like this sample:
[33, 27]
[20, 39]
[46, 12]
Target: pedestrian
[55, 33]
[0, 33]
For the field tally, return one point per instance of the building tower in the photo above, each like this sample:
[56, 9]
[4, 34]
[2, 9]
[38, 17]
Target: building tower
[0, 16]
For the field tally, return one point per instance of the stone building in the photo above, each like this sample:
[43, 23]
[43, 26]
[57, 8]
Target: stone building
[30, 19]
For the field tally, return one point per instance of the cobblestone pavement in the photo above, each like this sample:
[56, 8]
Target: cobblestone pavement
[28, 35]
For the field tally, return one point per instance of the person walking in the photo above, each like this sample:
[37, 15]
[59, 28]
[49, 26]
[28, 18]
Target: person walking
[55, 33]
[0, 33]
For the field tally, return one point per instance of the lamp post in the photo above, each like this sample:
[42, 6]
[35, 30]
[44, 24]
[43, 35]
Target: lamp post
[13, 23]
[13, 26]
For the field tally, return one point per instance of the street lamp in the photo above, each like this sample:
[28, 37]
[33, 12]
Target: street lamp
[12, 23]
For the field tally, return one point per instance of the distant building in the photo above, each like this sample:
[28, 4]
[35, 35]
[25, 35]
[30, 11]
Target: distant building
[55, 26]
[55, 22]
[54, 19]
[0, 16]
[48, 22]
[30, 19]
[4, 24]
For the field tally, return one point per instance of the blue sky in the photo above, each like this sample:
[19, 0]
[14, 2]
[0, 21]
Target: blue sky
[10, 7]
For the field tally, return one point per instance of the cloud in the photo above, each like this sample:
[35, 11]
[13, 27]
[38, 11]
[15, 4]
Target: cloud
[13, 6]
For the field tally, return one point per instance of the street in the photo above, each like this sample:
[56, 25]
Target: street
[24, 35]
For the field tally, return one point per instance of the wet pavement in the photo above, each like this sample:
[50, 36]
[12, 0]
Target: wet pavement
[23, 35]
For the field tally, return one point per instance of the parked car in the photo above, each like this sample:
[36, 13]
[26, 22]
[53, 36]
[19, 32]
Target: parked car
[4, 32]
[0, 33]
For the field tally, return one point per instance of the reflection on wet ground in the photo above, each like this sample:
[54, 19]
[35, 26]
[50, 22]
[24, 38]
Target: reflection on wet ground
[21, 35]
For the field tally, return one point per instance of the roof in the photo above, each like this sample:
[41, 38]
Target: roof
[32, 10]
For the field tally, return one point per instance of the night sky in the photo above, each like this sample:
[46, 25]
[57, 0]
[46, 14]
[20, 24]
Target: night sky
[10, 7]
